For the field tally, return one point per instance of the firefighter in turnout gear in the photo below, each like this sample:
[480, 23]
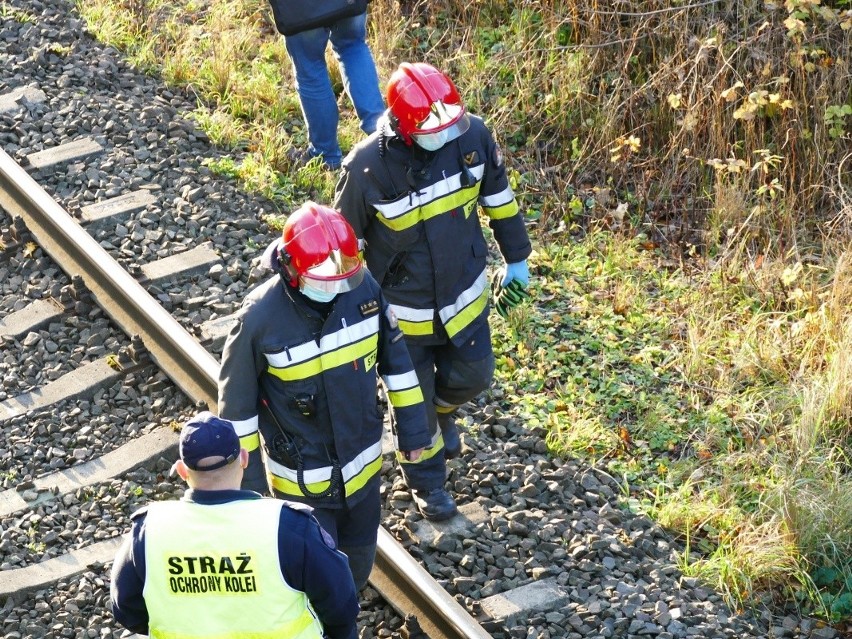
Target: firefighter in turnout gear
[225, 562]
[412, 191]
[298, 380]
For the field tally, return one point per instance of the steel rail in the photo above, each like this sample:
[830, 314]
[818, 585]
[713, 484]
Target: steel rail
[177, 352]
[407, 586]
[397, 576]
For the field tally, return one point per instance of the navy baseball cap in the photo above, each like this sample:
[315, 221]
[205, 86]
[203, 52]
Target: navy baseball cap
[206, 435]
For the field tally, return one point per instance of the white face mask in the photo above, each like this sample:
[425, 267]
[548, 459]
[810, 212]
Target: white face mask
[432, 141]
[317, 295]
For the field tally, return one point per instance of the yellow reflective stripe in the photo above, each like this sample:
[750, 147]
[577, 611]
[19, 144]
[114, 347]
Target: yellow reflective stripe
[247, 431]
[401, 399]
[302, 371]
[353, 485]
[327, 361]
[501, 212]
[323, 473]
[285, 480]
[453, 200]
[416, 328]
[467, 315]
[310, 350]
[355, 474]
[289, 487]
[414, 321]
[440, 206]
[444, 409]
[308, 359]
[467, 306]
[360, 480]
[351, 353]
[434, 447]
[403, 389]
[362, 460]
[390, 211]
[466, 297]
[250, 442]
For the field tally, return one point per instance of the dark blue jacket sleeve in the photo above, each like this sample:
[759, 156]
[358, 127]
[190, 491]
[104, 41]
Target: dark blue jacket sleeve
[238, 393]
[311, 563]
[394, 364]
[128, 580]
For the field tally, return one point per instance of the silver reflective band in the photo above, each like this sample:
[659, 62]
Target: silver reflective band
[340, 284]
[440, 116]
[443, 135]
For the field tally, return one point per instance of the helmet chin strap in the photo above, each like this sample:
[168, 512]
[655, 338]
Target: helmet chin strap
[287, 272]
[393, 125]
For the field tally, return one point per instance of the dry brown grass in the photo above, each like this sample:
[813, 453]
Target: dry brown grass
[563, 82]
[643, 99]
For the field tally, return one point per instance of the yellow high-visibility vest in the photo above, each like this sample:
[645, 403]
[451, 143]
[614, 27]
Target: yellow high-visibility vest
[213, 571]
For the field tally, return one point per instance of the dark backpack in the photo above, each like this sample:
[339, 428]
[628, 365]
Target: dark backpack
[295, 16]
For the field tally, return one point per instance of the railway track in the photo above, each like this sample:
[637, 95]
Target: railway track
[91, 391]
[157, 336]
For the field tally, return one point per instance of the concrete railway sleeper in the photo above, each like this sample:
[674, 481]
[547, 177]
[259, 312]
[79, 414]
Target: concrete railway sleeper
[113, 305]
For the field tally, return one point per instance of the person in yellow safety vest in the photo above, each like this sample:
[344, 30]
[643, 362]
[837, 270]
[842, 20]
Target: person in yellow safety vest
[225, 562]
[413, 191]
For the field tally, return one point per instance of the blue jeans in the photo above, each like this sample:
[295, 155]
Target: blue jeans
[360, 80]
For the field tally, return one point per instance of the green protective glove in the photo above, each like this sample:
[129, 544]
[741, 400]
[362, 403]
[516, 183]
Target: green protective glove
[509, 296]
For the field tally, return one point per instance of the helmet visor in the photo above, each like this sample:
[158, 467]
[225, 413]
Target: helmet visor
[339, 273]
[440, 117]
[432, 138]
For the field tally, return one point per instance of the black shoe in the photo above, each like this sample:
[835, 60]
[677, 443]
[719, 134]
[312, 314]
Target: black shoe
[435, 504]
[450, 433]
[298, 157]
[301, 157]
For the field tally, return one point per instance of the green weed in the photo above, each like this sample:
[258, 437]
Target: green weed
[18, 15]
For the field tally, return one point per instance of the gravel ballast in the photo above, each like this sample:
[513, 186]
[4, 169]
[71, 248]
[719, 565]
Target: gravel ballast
[544, 520]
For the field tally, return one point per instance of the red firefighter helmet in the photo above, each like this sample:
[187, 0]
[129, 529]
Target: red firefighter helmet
[319, 250]
[425, 105]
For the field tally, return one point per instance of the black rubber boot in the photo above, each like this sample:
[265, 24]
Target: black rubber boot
[436, 504]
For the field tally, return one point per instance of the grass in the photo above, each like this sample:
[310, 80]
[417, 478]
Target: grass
[685, 171]
[18, 15]
[720, 401]
[34, 546]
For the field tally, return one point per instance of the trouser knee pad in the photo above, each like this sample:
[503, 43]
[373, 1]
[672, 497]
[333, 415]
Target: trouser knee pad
[464, 380]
